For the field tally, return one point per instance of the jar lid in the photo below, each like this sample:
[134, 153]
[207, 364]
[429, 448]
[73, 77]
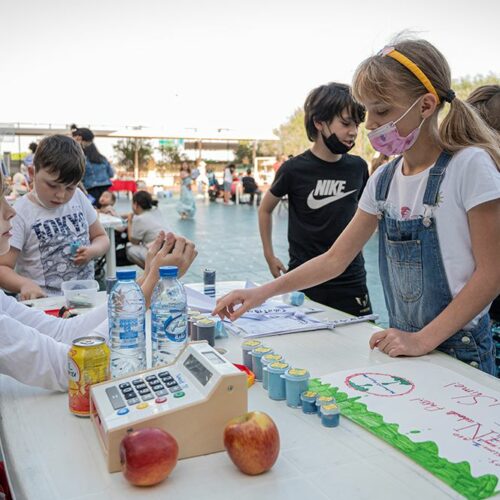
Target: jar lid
[260, 351]
[277, 367]
[205, 322]
[271, 358]
[322, 400]
[330, 409]
[248, 345]
[309, 395]
[297, 374]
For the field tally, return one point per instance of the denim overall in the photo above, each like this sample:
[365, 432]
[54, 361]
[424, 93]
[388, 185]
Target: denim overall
[412, 272]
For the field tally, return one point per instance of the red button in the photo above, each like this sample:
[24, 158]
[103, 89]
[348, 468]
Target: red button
[161, 399]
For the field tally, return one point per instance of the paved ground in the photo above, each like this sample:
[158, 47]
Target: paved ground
[227, 238]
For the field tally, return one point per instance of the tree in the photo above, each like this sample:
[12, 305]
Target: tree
[465, 85]
[292, 134]
[244, 153]
[170, 154]
[125, 151]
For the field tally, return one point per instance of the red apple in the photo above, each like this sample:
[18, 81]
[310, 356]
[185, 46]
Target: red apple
[148, 456]
[253, 442]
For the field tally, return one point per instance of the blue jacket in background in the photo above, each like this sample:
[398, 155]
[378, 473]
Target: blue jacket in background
[97, 174]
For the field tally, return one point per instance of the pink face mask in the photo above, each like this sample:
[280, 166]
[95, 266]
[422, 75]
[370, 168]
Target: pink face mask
[387, 140]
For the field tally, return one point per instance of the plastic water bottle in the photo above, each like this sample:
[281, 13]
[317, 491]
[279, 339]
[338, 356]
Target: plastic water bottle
[168, 317]
[126, 316]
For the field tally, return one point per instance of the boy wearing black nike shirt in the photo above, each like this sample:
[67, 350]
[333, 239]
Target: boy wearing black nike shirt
[323, 186]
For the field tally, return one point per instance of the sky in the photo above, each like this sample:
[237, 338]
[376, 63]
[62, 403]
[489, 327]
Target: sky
[243, 65]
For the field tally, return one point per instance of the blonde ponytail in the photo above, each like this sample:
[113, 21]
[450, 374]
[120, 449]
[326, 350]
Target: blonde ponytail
[463, 126]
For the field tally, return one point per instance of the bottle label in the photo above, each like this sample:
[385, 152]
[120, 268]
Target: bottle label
[175, 326]
[129, 331]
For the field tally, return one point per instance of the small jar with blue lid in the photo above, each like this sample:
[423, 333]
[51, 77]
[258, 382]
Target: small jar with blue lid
[296, 380]
[308, 399]
[323, 400]
[276, 383]
[330, 415]
[266, 360]
[247, 347]
[257, 354]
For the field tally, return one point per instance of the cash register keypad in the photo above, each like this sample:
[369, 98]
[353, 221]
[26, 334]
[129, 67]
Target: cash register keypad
[148, 388]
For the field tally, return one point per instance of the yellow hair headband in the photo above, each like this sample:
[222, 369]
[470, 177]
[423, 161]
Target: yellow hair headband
[411, 66]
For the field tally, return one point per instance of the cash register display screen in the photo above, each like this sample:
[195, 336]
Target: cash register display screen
[213, 358]
[202, 374]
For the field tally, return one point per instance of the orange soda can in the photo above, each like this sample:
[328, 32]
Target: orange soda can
[88, 364]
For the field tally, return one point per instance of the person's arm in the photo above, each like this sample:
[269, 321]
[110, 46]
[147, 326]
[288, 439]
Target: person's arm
[99, 245]
[315, 271]
[32, 358]
[13, 282]
[478, 292]
[61, 330]
[131, 227]
[265, 228]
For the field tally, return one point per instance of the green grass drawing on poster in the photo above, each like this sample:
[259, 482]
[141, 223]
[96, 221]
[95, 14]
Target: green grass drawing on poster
[457, 475]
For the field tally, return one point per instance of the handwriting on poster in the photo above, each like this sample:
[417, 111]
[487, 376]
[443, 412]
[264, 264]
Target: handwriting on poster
[464, 427]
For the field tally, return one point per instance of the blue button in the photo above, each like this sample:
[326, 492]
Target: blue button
[122, 411]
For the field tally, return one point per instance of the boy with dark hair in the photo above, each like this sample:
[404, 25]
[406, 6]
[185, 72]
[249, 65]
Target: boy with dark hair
[323, 186]
[56, 233]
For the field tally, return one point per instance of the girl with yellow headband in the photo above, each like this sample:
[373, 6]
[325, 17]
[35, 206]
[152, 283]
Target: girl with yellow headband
[437, 207]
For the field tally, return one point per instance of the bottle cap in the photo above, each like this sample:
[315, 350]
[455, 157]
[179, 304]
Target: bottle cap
[169, 271]
[125, 275]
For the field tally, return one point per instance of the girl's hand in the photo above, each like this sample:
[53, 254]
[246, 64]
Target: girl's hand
[396, 342]
[153, 249]
[248, 298]
[176, 251]
[83, 256]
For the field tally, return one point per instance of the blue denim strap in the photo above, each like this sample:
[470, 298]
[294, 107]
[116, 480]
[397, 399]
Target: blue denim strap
[436, 176]
[384, 181]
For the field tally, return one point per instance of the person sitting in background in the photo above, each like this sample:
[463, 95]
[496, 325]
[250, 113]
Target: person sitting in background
[250, 187]
[107, 202]
[20, 183]
[53, 216]
[143, 224]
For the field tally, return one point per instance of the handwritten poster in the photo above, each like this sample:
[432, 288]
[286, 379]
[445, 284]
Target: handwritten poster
[453, 422]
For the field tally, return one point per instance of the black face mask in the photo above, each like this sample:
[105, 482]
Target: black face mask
[335, 146]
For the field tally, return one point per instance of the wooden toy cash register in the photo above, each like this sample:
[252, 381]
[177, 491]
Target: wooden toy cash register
[193, 398]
